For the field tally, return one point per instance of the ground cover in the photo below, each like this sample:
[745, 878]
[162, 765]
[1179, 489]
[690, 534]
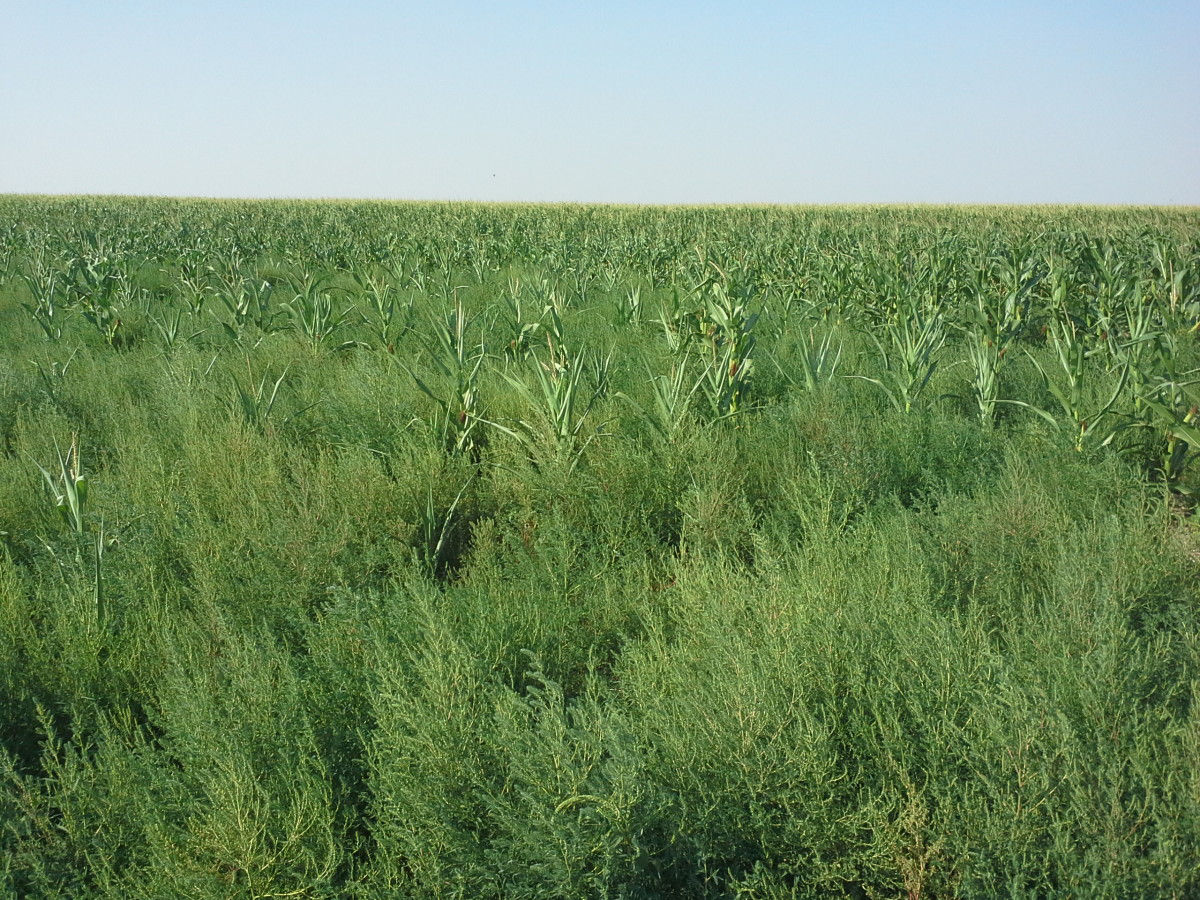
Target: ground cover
[367, 549]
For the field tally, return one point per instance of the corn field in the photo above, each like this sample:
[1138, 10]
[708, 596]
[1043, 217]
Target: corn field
[451, 550]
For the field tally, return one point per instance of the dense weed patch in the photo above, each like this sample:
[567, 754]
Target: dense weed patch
[445, 550]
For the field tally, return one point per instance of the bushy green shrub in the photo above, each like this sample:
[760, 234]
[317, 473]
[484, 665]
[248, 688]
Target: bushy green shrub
[460, 550]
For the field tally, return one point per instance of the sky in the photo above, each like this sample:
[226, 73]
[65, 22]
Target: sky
[613, 102]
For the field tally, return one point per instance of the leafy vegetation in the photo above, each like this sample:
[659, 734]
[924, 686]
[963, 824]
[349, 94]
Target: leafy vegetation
[451, 550]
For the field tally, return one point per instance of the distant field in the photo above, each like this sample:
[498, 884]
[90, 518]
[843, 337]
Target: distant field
[432, 550]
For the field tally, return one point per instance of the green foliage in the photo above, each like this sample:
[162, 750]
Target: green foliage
[909, 356]
[69, 487]
[561, 400]
[312, 309]
[583, 570]
[457, 419]
[1080, 415]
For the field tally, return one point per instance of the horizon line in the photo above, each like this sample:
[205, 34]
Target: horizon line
[733, 204]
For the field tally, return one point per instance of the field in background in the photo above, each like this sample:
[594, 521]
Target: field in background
[366, 549]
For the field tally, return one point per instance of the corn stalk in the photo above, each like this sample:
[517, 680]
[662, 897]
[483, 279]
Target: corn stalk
[457, 417]
[909, 357]
[1069, 387]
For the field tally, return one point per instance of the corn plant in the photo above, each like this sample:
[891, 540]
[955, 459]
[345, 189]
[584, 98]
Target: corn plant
[1179, 418]
[552, 324]
[724, 382]
[435, 529]
[68, 486]
[726, 330]
[1169, 273]
[629, 311]
[909, 356]
[1166, 403]
[548, 295]
[1110, 279]
[560, 402]
[672, 395]
[993, 328]
[610, 273]
[581, 278]
[255, 401]
[680, 324]
[1069, 387]
[1140, 342]
[816, 361]
[519, 328]
[418, 277]
[53, 376]
[444, 258]
[480, 262]
[194, 287]
[171, 329]
[457, 418]
[986, 359]
[1175, 413]
[387, 316]
[42, 281]
[100, 544]
[312, 311]
[92, 283]
[786, 304]
[243, 301]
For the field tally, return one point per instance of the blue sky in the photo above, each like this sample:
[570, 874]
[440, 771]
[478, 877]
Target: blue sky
[648, 102]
